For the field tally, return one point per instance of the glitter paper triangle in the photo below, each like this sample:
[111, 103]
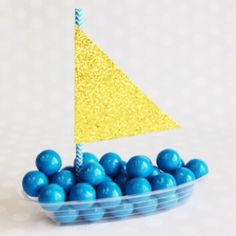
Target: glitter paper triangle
[107, 104]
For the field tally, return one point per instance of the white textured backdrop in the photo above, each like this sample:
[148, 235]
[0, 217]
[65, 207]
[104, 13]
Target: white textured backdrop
[181, 53]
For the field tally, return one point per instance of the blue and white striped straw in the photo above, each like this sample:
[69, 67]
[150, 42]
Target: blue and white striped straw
[79, 147]
[78, 17]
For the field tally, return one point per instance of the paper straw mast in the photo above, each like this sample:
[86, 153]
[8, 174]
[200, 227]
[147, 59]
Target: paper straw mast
[79, 148]
[107, 104]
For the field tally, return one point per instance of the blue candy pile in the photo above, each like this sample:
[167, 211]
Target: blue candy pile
[98, 189]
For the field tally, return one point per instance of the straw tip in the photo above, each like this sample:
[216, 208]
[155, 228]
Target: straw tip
[78, 17]
[78, 11]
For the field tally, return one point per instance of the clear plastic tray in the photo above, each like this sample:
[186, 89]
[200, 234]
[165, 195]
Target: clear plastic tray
[118, 208]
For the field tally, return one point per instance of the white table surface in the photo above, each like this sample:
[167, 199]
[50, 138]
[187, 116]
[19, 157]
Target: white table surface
[181, 53]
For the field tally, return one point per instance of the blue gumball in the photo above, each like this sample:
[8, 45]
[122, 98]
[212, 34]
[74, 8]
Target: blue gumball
[49, 162]
[183, 175]
[155, 172]
[92, 173]
[111, 163]
[109, 190]
[139, 166]
[167, 202]
[65, 178]
[168, 160]
[51, 197]
[137, 186]
[198, 167]
[84, 193]
[121, 179]
[93, 214]
[88, 158]
[163, 181]
[123, 210]
[146, 207]
[66, 215]
[33, 182]
[123, 165]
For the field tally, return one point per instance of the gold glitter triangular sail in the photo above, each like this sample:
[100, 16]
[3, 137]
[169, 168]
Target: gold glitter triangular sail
[107, 104]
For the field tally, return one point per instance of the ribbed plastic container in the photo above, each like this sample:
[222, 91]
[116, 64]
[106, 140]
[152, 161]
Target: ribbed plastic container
[124, 207]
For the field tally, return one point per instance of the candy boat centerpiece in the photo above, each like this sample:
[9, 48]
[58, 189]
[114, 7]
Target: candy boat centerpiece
[109, 106]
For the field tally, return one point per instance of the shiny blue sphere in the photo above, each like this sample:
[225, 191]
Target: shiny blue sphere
[168, 160]
[123, 210]
[33, 181]
[138, 186]
[53, 194]
[111, 163]
[83, 193]
[198, 167]
[155, 172]
[65, 178]
[121, 179]
[109, 190]
[163, 181]
[48, 162]
[88, 157]
[66, 214]
[139, 166]
[167, 202]
[92, 173]
[93, 214]
[183, 175]
[146, 207]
